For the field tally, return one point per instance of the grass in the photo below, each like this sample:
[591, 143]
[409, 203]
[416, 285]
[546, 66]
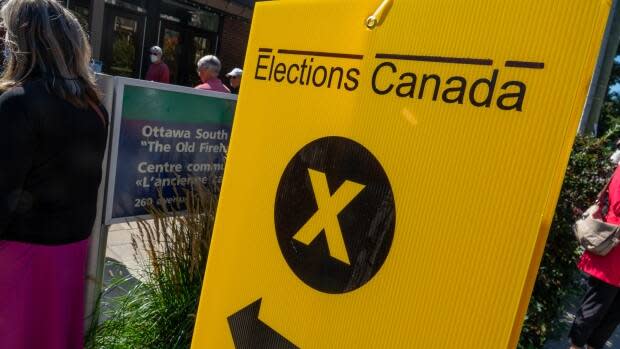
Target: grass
[160, 312]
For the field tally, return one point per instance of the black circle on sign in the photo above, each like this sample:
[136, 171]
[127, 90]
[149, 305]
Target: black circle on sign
[367, 222]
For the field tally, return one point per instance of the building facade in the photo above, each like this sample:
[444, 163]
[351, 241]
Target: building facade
[122, 31]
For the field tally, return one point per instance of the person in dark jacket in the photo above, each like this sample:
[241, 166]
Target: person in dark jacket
[53, 133]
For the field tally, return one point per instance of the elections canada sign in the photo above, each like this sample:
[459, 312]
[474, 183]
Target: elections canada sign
[492, 88]
[384, 185]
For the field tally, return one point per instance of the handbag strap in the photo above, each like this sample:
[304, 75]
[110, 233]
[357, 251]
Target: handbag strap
[98, 111]
[601, 195]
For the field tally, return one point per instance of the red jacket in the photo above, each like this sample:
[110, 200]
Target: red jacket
[607, 268]
[214, 84]
[158, 72]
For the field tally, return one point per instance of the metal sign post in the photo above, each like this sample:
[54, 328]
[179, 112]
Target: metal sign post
[600, 81]
[99, 236]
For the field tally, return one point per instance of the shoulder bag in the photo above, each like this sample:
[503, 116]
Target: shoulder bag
[592, 232]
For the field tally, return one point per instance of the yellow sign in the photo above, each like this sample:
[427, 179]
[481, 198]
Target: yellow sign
[393, 187]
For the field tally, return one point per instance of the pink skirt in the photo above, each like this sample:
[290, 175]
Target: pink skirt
[42, 295]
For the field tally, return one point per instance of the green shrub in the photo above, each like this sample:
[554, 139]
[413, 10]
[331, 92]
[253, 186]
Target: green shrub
[588, 170]
[160, 312]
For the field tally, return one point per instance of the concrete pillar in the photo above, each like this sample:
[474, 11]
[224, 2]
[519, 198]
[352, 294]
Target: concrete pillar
[96, 27]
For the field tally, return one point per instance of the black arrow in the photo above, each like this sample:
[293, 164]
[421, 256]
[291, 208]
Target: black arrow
[249, 332]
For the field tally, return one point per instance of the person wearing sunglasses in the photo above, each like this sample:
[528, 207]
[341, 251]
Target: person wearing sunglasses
[234, 80]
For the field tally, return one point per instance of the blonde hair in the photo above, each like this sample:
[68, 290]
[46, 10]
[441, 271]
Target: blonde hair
[46, 40]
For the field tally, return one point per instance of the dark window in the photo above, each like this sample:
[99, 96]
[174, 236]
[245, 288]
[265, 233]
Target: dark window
[81, 10]
[189, 14]
[124, 47]
[135, 5]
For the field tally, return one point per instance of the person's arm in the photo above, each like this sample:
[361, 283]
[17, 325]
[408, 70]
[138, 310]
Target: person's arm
[17, 144]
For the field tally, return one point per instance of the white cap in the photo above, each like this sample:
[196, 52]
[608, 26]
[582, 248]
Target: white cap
[156, 50]
[235, 72]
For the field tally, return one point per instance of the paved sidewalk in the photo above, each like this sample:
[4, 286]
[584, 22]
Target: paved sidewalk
[120, 250]
[119, 246]
[569, 315]
[120, 264]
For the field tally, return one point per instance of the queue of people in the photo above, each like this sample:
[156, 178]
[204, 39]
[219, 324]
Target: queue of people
[208, 69]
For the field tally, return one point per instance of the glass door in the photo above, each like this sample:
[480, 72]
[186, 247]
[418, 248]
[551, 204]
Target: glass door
[122, 52]
[183, 46]
[172, 42]
[202, 44]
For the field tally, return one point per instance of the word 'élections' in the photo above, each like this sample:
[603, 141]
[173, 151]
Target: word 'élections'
[390, 79]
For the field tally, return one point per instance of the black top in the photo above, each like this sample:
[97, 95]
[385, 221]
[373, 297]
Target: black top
[50, 166]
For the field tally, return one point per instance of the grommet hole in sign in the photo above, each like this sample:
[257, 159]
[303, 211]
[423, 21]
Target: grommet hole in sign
[379, 15]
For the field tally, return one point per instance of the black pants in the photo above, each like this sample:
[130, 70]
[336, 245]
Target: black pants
[598, 315]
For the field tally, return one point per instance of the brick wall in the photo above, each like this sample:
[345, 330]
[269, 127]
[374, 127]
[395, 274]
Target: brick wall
[233, 42]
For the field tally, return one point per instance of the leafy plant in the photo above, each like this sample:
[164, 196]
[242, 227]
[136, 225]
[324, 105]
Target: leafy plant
[160, 311]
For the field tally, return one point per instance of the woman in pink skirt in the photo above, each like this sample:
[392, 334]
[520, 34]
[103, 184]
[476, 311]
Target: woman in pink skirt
[52, 139]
